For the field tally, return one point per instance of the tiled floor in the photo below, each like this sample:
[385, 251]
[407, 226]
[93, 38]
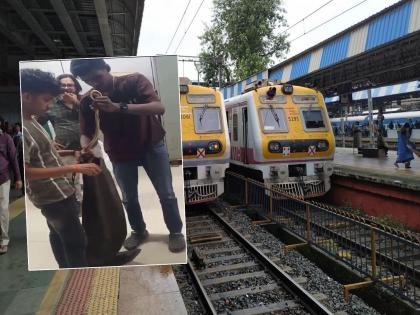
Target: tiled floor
[155, 251]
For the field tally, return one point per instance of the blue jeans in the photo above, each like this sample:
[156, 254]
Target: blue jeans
[155, 162]
[67, 236]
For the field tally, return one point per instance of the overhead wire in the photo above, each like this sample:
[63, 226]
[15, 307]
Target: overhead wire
[304, 18]
[180, 21]
[323, 23]
[183, 36]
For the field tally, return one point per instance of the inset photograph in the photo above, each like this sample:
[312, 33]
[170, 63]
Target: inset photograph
[103, 162]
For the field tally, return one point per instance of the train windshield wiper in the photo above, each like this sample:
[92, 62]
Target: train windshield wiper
[203, 112]
[276, 117]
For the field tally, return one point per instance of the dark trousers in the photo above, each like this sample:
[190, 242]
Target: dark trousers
[67, 236]
[156, 164]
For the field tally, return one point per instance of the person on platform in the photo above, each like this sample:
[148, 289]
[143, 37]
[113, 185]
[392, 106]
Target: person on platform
[47, 184]
[405, 147]
[8, 159]
[18, 142]
[64, 117]
[133, 137]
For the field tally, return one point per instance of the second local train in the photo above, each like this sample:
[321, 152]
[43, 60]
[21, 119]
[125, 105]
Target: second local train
[205, 143]
[283, 135]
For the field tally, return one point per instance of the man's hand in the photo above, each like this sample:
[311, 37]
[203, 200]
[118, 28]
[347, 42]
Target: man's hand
[105, 104]
[70, 98]
[90, 169]
[18, 184]
[57, 145]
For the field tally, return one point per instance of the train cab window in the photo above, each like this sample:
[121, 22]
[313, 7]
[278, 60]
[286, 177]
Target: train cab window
[207, 120]
[235, 126]
[273, 120]
[313, 118]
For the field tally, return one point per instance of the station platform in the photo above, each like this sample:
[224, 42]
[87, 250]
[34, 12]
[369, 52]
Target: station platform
[128, 290]
[377, 170]
[376, 187]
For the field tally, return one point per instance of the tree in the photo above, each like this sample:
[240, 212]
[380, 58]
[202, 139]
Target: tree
[213, 55]
[246, 33]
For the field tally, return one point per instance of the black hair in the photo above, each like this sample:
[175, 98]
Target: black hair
[77, 85]
[406, 125]
[80, 67]
[37, 81]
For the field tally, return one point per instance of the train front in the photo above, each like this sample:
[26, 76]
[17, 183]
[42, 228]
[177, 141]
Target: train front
[294, 143]
[205, 143]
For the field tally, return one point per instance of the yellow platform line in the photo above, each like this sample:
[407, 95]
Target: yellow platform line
[103, 297]
[53, 294]
[16, 207]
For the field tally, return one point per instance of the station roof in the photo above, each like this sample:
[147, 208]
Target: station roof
[40, 29]
[382, 49]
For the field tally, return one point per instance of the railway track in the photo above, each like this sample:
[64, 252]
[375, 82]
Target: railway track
[383, 254]
[233, 276]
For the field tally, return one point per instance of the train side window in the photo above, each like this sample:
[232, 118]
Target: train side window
[313, 118]
[235, 126]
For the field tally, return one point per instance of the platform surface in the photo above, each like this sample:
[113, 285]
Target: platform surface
[94, 291]
[154, 251]
[378, 170]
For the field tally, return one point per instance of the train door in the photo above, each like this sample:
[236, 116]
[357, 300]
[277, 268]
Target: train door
[245, 134]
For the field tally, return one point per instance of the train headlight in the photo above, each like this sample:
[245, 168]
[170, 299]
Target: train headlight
[287, 89]
[322, 145]
[274, 146]
[214, 147]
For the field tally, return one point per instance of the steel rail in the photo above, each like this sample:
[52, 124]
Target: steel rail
[205, 300]
[309, 302]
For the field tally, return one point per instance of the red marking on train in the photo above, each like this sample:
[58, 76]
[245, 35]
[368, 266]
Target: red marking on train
[311, 150]
[201, 152]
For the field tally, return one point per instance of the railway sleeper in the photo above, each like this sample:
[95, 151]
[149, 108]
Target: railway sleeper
[258, 274]
[263, 309]
[235, 293]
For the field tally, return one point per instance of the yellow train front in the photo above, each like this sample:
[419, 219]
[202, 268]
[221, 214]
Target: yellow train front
[282, 134]
[205, 143]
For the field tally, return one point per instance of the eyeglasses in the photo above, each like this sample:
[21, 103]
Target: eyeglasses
[67, 85]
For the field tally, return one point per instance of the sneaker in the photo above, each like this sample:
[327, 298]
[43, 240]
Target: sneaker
[176, 242]
[135, 239]
[3, 249]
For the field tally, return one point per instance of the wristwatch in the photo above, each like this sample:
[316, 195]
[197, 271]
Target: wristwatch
[123, 107]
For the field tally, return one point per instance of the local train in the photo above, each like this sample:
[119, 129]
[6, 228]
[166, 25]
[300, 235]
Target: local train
[390, 119]
[205, 142]
[281, 135]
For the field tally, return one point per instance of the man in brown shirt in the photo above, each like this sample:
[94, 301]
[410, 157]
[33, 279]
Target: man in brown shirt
[133, 137]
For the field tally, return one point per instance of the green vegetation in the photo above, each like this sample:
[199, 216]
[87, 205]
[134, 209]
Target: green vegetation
[243, 38]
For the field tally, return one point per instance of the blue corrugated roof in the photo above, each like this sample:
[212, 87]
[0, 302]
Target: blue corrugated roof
[300, 67]
[277, 74]
[224, 93]
[389, 27]
[249, 80]
[259, 76]
[239, 88]
[335, 51]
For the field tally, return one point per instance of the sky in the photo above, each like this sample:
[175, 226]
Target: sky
[156, 33]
